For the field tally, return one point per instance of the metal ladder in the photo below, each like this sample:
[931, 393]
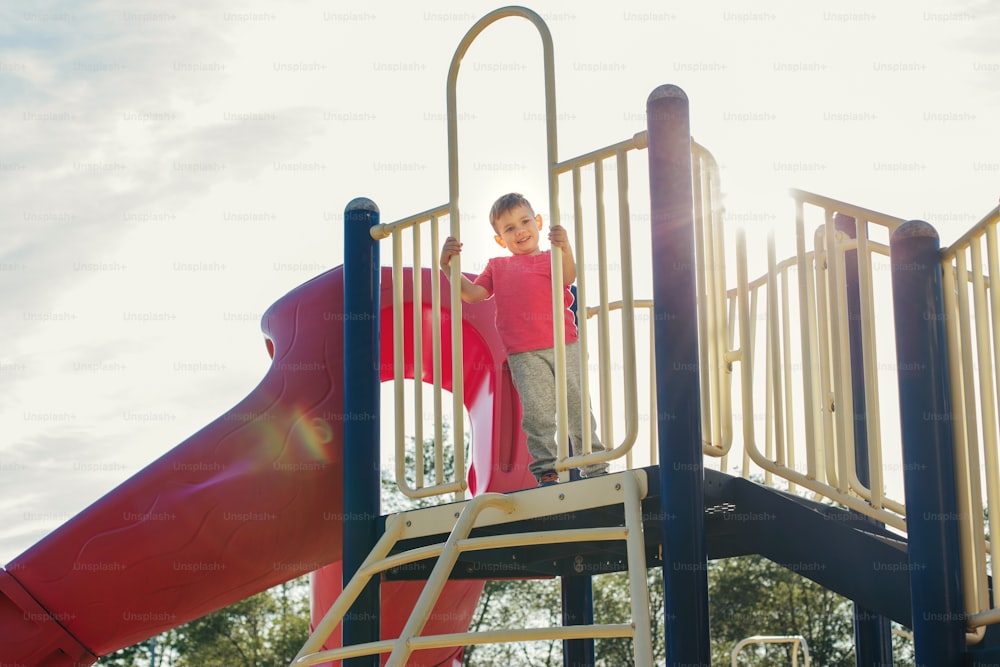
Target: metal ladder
[491, 509]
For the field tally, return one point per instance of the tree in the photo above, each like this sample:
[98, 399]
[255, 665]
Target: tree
[515, 603]
[137, 655]
[751, 595]
[265, 630]
[613, 604]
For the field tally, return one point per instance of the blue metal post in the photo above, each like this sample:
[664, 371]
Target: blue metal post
[928, 448]
[577, 590]
[685, 564]
[578, 609]
[872, 632]
[362, 276]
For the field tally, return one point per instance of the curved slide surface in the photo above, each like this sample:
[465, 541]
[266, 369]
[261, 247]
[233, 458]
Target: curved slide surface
[251, 500]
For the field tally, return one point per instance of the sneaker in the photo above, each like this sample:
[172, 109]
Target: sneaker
[549, 478]
[596, 473]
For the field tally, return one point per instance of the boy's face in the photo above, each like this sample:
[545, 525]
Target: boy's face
[517, 230]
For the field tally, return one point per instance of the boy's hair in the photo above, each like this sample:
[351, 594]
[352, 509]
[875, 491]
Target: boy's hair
[505, 203]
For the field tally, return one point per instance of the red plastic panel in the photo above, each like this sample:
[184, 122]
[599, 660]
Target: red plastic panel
[32, 634]
[249, 501]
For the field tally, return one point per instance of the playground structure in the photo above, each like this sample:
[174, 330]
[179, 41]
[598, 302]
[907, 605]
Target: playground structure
[256, 489]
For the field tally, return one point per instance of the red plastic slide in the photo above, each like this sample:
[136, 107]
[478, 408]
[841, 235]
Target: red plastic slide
[251, 500]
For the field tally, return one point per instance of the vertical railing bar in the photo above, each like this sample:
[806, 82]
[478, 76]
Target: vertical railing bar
[993, 285]
[581, 309]
[870, 360]
[628, 302]
[604, 321]
[417, 301]
[987, 396]
[436, 335]
[718, 280]
[750, 353]
[731, 319]
[842, 368]
[807, 333]
[768, 398]
[653, 425]
[833, 474]
[457, 379]
[732, 354]
[774, 349]
[398, 359]
[755, 319]
[706, 371]
[745, 346]
[787, 371]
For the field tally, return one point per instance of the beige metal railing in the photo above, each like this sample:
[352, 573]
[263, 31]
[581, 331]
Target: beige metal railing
[440, 486]
[617, 368]
[595, 160]
[797, 641]
[973, 339]
[627, 489]
[806, 373]
[787, 333]
[715, 357]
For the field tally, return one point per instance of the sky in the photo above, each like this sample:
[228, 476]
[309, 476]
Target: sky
[167, 172]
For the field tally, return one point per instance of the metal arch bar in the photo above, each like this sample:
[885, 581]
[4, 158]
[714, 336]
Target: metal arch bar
[458, 388]
[550, 104]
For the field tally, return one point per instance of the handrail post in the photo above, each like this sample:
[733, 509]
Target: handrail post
[362, 286]
[685, 564]
[928, 447]
[872, 632]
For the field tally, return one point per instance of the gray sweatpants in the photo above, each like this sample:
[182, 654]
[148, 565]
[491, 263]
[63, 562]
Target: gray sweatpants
[534, 378]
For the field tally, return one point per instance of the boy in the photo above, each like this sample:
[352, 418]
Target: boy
[522, 286]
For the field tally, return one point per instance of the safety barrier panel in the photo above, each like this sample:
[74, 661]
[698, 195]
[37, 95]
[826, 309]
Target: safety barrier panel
[807, 375]
[971, 285]
[616, 367]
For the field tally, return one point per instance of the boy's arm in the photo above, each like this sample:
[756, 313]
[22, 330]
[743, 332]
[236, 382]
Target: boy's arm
[471, 292]
[560, 239]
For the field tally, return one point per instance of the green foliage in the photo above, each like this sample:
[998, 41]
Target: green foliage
[265, 630]
[515, 603]
[753, 596]
[536, 603]
[130, 656]
[612, 604]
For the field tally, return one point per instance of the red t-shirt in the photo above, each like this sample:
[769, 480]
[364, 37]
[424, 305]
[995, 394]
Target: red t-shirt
[522, 288]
